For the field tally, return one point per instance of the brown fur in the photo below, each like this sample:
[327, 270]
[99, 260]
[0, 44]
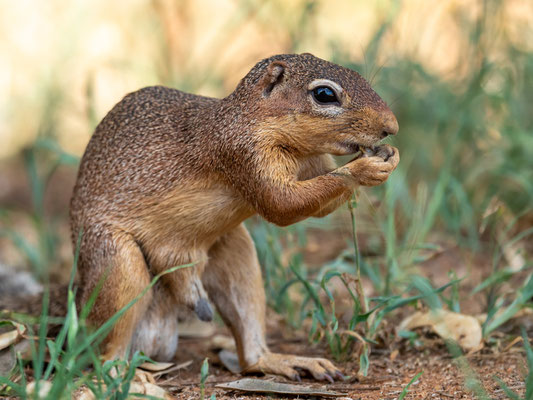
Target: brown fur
[169, 177]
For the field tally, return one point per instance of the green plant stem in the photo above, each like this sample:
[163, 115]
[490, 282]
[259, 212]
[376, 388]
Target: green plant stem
[359, 287]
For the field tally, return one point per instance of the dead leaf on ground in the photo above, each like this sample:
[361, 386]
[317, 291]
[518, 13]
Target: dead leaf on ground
[463, 329]
[11, 342]
[13, 334]
[172, 369]
[149, 389]
[136, 389]
[262, 386]
[44, 388]
[155, 366]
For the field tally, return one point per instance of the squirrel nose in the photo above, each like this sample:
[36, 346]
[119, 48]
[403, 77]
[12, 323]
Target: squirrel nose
[390, 124]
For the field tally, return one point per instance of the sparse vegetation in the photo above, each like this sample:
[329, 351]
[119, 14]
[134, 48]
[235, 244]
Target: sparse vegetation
[465, 184]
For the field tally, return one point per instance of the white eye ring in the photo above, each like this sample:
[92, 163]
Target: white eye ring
[326, 82]
[330, 110]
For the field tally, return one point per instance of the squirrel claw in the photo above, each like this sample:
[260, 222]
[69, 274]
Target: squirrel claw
[339, 375]
[287, 365]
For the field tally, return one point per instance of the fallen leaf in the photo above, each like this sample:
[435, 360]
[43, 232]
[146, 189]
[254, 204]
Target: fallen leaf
[463, 329]
[262, 386]
[143, 376]
[44, 388]
[136, 389]
[13, 335]
[148, 389]
[172, 369]
[155, 366]
[83, 394]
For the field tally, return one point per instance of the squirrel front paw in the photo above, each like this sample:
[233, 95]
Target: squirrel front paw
[384, 151]
[373, 167]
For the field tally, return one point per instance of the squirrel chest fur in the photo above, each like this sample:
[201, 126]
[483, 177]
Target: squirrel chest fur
[168, 178]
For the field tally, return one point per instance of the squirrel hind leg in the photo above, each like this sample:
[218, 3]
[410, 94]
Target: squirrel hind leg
[125, 279]
[233, 280]
[156, 334]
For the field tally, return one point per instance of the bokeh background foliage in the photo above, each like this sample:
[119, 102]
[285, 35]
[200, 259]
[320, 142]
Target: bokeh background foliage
[457, 74]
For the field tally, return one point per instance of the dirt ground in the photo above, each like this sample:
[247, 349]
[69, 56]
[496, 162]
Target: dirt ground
[390, 371]
[393, 365]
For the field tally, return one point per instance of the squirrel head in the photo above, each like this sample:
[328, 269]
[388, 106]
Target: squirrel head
[313, 106]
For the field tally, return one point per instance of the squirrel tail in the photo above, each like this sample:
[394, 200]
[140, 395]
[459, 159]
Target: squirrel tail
[21, 293]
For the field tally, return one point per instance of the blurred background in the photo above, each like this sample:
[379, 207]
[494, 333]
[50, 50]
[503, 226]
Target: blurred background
[457, 74]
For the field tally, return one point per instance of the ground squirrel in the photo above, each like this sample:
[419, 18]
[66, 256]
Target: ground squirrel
[168, 179]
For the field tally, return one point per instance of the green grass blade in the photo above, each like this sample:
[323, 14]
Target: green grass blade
[406, 388]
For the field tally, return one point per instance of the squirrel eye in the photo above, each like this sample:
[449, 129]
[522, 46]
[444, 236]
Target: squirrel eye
[324, 95]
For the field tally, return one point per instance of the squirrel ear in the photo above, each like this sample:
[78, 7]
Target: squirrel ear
[274, 75]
